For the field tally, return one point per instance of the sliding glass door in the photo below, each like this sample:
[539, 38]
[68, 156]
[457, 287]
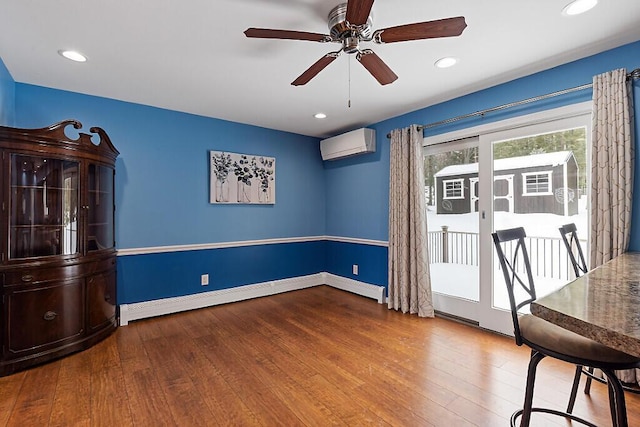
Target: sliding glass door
[540, 177]
[530, 172]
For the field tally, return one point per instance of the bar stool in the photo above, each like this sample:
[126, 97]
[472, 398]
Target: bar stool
[548, 340]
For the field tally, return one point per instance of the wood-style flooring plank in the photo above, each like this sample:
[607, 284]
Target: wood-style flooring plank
[109, 400]
[227, 406]
[72, 401]
[184, 401]
[288, 376]
[9, 390]
[129, 343]
[104, 355]
[211, 385]
[146, 398]
[239, 373]
[35, 398]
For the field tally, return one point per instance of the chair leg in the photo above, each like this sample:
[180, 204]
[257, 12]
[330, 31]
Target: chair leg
[612, 405]
[574, 388]
[587, 384]
[536, 357]
[616, 399]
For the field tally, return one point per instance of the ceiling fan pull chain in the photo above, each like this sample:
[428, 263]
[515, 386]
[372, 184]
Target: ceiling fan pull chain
[349, 67]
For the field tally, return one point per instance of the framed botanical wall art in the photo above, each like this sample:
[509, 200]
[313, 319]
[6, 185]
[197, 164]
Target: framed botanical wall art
[241, 178]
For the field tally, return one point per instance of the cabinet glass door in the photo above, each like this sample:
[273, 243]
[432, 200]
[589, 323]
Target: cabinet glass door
[43, 207]
[100, 215]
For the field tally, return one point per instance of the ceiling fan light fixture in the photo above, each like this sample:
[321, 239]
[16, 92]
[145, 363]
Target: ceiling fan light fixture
[72, 55]
[350, 23]
[446, 62]
[320, 115]
[577, 7]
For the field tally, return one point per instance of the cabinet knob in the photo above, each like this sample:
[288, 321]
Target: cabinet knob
[50, 315]
[27, 278]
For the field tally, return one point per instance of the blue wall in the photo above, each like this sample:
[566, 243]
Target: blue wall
[162, 194]
[7, 96]
[358, 188]
[162, 275]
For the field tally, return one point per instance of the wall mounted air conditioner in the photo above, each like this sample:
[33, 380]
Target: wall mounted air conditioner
[357, 141]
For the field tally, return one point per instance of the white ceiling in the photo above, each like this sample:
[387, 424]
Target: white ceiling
[192, 56]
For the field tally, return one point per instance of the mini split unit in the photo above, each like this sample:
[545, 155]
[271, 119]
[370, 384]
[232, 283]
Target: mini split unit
[348, 144]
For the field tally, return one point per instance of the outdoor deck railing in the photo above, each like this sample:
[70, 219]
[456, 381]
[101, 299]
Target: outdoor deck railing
[548, 255]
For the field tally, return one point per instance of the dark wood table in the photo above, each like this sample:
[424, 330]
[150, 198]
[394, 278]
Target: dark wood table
[603, 305]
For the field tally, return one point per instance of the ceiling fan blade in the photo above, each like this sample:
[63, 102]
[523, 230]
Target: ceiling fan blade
[376, 66]
[449, 27]
[358, 11]
[265, 33]
[313, 71]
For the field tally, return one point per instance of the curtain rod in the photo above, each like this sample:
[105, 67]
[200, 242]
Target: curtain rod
[635, 74]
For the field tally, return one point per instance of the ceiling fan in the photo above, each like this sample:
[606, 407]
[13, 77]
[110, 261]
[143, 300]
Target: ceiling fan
[349, 24]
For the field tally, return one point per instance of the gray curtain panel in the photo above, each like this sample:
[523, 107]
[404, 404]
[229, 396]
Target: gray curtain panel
[409, 280]
[612, 165]
[612, 160]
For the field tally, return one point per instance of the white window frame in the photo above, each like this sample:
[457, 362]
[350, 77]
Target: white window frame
[445, 196]
[527, 193]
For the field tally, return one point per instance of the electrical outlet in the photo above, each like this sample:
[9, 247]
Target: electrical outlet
[204, 279]
[355, 269]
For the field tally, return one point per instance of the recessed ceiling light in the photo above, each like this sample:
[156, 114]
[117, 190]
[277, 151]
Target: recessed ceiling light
[320, 116]
[73, 55]
[579, 6]
[446, 62]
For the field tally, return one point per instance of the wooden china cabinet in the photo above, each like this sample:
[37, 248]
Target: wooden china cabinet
[57, 243]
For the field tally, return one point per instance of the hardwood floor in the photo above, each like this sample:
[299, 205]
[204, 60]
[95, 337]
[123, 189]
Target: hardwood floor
[319, 356]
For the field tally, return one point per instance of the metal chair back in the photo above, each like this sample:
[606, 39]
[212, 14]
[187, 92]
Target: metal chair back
[516, 268]
[569, 235]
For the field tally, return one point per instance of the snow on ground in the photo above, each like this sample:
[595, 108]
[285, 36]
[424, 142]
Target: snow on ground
[457, 280]
[462, 281]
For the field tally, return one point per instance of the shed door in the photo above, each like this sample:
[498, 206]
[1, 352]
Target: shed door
[473, 194]
[503, 193]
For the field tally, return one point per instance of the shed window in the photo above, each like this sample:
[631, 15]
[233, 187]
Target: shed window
[536, 183]
[453, 189]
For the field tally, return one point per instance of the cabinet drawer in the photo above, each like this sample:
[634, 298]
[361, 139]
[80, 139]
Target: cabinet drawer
[38, 275]
[38, 318]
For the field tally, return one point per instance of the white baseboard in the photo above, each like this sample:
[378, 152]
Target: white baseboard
[356, 287]
[145, 309]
